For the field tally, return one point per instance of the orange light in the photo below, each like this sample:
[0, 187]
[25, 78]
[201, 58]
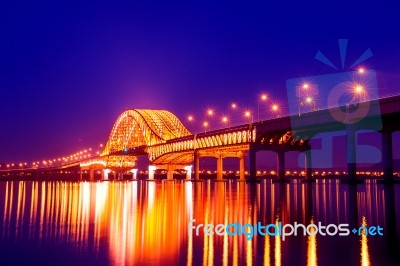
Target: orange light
[224, 119]
[359, 89]
[275, 107]
[263, 97]
[247, 114]
[233, 105]
[190, 118]
[210, 112]
[205, 124]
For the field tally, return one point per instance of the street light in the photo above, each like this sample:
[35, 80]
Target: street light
[225, 119]
[304, 87]
[233, 107]
[275, 109]
[359, 90]
[205, 125]
[263, 97]
[248, 115]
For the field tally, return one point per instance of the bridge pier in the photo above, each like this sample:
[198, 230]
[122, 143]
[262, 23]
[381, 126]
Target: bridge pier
[188, 172]
[152, 168]
[351, 139]
[91, 174]
[170, 173]
[105, 174]
[308, 164]
[281, 165]
[196, 162]
[134, 173]
[241, 167]
[80, 174]
[252, 166]
[219, 167]
[387, 155]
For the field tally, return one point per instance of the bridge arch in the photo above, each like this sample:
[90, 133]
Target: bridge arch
[143, 127]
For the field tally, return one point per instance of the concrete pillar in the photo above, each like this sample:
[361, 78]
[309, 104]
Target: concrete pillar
[252, 158]
[105, 174]
[387, 154]
[196, 162]
[170, 173]
[80, 175]
[241, 167]
[351, 152]
[91, 174]
[308, 164]
[281, 164]
[219, 167]
[134, 173]
[188, 172]
[152, 168]
[101, 174]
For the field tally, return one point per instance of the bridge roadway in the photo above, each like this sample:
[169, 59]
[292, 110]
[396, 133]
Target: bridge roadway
[290, 133]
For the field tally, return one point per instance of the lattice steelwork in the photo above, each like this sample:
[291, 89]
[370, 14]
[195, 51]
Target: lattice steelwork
[237, 137]
[136, 127]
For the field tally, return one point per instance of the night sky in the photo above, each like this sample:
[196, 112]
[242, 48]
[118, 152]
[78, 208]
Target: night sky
[69, 69]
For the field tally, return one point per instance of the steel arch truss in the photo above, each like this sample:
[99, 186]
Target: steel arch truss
[140, 127]
[167, 151]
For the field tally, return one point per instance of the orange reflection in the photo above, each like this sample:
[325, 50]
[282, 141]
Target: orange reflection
[365, 261]
[312, 247]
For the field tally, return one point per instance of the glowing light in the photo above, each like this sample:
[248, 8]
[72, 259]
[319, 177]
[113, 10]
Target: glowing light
[361, 70]
[359, 89]
[224, 119]
[190, 118]
[210, 112]
[306, 86]
[233, 105]
[274, 107]
[309, 99]
[205, 124]
[247, 114]
[263, 97]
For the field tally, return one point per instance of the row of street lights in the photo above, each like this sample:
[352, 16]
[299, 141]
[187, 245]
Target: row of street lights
[226, 120]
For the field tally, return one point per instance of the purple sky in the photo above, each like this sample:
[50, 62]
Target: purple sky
[69, 69]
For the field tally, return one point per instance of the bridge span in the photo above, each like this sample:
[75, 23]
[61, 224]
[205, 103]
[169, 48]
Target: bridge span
[169, 145]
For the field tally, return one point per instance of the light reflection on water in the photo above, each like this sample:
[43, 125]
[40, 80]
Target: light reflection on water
[130, 223]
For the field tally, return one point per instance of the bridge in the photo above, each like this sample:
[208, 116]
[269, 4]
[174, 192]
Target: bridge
[170, 146]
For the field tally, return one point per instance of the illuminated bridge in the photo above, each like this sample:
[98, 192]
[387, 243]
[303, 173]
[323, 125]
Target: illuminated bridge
[169, 145]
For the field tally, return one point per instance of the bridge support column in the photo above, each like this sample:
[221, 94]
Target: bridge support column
[80, 175]
[241, 167]
[196, 162]
[308, 164]
[105, 174]
[91, 175]
[252, 158]
[134, 173]
[387, 155]
[219, 167]
[188, 172]
[351, 152]
[170, 173]
[152, 168]
[281, 164]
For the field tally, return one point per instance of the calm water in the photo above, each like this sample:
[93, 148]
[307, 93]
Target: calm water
[146, 223]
